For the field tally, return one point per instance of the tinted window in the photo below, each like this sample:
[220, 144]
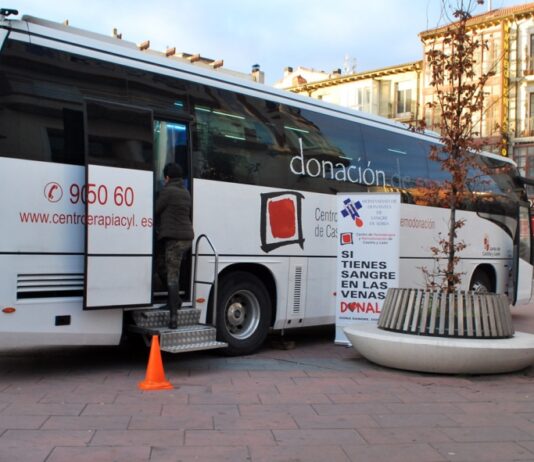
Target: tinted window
[119, 136]
[402, 158]
[237, 138]
[42, 93]
[36, 129]
[244, 139]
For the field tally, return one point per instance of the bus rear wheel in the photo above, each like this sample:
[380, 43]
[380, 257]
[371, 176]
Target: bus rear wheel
[243, 313]
[480, 283]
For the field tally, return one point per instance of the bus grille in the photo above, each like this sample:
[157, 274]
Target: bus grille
[49, 285]
[297, 291]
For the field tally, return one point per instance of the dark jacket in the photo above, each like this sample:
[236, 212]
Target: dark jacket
[173, 212]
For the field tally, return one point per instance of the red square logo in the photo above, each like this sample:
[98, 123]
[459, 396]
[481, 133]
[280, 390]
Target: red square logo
[282, 218]
[345, 238]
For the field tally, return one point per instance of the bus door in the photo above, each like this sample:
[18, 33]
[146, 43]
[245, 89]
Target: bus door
[522, 264]
[171, 144]
[119, 196]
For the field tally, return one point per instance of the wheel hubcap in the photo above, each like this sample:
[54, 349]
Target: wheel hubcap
[242, 314]
[236, 314]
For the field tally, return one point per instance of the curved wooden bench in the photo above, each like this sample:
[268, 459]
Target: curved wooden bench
[467, 314]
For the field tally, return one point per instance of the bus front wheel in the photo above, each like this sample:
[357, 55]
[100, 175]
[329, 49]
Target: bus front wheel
[480, 283]
[243, 313]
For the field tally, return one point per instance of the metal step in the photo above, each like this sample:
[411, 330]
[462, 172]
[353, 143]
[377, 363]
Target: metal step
[153, 319]
[190, 338]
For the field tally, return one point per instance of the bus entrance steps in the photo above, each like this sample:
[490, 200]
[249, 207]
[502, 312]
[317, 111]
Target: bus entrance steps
[190, 335]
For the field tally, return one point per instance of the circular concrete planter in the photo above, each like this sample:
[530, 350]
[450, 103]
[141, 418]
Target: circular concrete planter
[463, 333]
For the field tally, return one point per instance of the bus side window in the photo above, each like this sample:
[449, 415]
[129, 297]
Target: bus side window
[235, 139]
[41, 132]
[39, 119]
[403, 159]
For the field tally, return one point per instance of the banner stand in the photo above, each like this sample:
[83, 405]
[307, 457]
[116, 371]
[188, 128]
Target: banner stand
[367, 258]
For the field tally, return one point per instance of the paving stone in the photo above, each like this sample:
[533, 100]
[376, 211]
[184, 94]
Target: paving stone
[60, 397]
[21, 421]
[413, 420]
[255, 422]
[430, 396]
[49, 437]
[101, 454]
[317, 437]
[335, 421]
[42, 409]
[491, 420]
[15, 451]
[225, 398]
[403, 435]
[302, 453]
[278, 374]
[138, 437]
[316, 385]
[87, 422]
[200, 410]
[184, 421]
[476, 452]
[200, 454]
[8, 397]
[486, 434]
[259, 385]
[349, 409]
[422, 408]
[175, 396]
[394, 453]
[279, 408]
[228, 437]
[502, 407]
[123, 409]
[294, 397]
[364, 397]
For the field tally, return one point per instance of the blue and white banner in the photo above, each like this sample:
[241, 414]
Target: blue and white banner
[367, 257]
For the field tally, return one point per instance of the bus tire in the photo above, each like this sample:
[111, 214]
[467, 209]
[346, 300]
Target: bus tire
[243, 313]
[480, 283]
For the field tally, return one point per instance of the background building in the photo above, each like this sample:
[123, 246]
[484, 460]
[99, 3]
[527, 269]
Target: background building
[401, 92]
[391, 92]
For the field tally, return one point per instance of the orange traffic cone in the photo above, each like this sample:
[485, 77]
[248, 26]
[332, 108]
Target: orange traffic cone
[155, 377]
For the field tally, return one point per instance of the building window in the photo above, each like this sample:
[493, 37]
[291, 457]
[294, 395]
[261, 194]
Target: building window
[530, 63]
[404, 98]
[524, 157]
[529, 124]
[491, 116]
[363, 99]
[491, 59]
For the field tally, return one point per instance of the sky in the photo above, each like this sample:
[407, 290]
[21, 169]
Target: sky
[317, 34]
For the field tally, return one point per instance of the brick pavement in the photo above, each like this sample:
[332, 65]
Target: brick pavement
[317, 402]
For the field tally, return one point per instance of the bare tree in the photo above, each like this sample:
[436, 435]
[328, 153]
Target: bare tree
[459, 97]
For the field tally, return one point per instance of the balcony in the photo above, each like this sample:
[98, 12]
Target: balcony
[528, 69]
[527, 130]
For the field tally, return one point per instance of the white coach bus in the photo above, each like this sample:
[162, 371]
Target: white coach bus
[87, 123]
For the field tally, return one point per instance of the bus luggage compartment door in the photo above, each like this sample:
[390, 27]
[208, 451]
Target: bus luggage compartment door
[119, 196]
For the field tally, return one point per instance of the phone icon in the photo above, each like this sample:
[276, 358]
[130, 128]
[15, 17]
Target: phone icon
[53, 192]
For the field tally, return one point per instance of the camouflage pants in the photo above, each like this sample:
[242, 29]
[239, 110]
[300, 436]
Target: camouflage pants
[169, 259]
